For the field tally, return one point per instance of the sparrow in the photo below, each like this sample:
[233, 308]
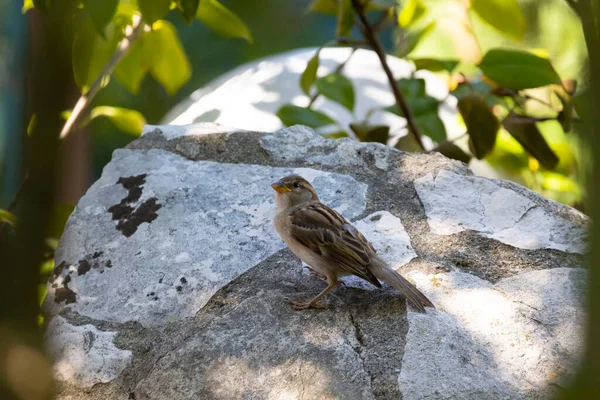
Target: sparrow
[329, 244]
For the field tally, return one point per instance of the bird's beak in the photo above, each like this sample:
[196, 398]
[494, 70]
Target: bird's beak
[279, 187]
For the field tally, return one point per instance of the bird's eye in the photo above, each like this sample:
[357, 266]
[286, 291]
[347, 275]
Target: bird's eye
[296, 185]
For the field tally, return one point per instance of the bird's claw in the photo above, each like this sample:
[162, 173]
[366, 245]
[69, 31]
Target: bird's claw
[301, 305]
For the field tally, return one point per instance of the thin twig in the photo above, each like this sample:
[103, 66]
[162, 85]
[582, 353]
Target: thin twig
[85, 100]
[381, 20]
[370, 35]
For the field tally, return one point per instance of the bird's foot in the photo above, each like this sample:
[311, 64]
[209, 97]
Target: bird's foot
[302, 305]
[314, 273]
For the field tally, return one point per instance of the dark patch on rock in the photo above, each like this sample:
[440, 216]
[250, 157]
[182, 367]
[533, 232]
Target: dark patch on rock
[65, 294]
[84, 267]
[183, 280]
[131, 218]
[146, 212]
[108, 264]
[97, 254]
[179, 288]
[57, 271]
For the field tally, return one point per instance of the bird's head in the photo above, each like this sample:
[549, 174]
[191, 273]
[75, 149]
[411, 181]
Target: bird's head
[293, 190]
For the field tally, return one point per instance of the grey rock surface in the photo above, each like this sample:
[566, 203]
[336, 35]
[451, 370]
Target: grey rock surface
[171, 282]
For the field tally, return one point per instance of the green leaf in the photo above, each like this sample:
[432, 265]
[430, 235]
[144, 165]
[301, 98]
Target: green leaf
[516, 69]
[408, 143]
[328, 7]
[127, 120]
[346, 15]
[27, 4]
[218, 18]
[101, 12]
[411, 87]
[431, 125]
[435, 65]
[169, 63]
[504, 15]
[451, 150]
[47, 267]
[371, 133]
[188, 9]
[336, 135]
[424, 108]
[410, 40]
[91, 52]
[58, 220]
[153, 10]
[412, 11]
[132, 69]
[338, 88]
[526, 132]
[310, 74]
[8, 217]
[290, 115]
[482, 125]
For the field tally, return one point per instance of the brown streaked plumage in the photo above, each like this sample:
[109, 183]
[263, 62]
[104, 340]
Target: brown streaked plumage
[326, 241]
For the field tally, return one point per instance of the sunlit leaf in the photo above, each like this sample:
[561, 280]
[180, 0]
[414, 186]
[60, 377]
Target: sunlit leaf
[47, 267]
[132, 69]
[100, 12]
[8, 217]
[345, 20]
[169, 63]
[482, 125]
[516, 69]
[218, 18]
[371, 133]
[526, 132]
[290, 115]
[412, 11]
[504, 15]
[328, 7]
[310, 74]
[435, 65]
[27, 4]
[189, 8]
[153, 10]
[451, 150]
[31, 125]
[125, 119]
[410, 40]
[336, 135]
[338, 88]
[91, 52]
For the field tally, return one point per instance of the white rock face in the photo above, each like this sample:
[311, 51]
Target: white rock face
[159, 235]
[454, 203]
[214, 223]
[503, 341]
[84, 355]
[249, 96]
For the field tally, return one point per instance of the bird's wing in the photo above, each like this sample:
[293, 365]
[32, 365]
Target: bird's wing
[327, 233]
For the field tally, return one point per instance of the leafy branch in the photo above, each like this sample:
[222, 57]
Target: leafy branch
[132, 33]
[371, 37]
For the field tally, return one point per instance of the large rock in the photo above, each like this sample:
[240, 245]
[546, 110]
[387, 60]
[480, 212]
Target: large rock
[172, 284]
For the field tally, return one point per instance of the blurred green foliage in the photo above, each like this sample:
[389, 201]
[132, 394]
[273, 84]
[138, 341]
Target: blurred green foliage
[512, 65]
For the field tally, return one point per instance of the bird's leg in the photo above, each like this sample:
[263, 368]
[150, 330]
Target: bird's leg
[300, 305]
[319, 275]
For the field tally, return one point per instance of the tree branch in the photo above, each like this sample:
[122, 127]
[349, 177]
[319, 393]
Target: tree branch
[370, 35]
[132, 33]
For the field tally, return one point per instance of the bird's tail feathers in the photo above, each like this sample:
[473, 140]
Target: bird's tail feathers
[391, 277]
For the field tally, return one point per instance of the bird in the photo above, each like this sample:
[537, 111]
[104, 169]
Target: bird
[329, 244]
